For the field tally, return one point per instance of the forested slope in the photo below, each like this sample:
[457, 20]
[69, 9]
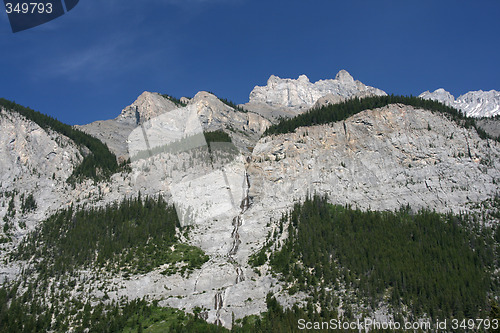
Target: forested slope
[425, 262]
[134, 236]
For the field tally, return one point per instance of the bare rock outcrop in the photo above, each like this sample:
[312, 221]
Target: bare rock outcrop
[380, 159]
[288, 97]
[214, 115]
[34, 162]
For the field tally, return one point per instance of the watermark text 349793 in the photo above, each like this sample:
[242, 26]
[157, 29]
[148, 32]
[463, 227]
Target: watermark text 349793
[26, 14]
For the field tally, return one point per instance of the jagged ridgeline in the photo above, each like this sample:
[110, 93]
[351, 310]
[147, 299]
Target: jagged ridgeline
[135, 236]
[100, 163]
[341, 111]
[440, 265]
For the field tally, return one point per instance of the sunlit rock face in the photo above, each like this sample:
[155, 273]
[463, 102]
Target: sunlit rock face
[302, 93]
[380, 159]
[288, 97]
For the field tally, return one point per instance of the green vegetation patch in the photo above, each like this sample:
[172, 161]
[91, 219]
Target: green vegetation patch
[141, 316]
[184, 258]
[216, 136]
[341, 111]
[430, 262]
[101, 163]
[135, 236]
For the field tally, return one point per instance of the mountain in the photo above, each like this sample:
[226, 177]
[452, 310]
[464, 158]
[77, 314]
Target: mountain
[244, 231]
[213, 113]
[289, 97]
[475, 104]
[114, 132]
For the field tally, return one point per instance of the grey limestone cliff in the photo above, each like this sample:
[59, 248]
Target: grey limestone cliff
[289, 97]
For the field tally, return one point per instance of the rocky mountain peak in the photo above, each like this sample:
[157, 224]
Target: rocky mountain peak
[301, 94]
[215, 115]
[303, 78]
[473, 104]
[440, 95]
[273, 80]
[148, 105]
[344, 77]
[204, 96]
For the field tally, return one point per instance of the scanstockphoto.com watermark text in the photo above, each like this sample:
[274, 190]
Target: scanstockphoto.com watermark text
[369, 324]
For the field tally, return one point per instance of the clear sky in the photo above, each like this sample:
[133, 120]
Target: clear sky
[90, 63]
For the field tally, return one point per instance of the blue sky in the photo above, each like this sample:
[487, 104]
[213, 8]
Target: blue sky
[90, 63]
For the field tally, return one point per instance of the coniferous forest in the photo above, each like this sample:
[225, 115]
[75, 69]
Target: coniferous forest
[131, 237]
[134, 236]
[435, 264]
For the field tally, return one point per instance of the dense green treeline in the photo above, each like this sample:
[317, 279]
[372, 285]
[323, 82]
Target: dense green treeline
[278, 319]
[140, 315]
[135, 236]
[216, 136]
[22, 313]
[100, 163]
[341, 111]
[427, 261]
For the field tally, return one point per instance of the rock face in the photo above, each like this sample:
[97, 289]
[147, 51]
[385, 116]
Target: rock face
[300, 95]
[215, 115]
[148, 105]
[490, 126]
[474, 103]
[379, 159]
[27, 148]
[33, 162]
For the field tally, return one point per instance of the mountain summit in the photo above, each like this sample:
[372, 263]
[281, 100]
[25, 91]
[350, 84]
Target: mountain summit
[301, 93]
[476, 104]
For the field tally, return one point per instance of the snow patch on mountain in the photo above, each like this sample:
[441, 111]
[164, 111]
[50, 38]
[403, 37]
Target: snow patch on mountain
[476, 104]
